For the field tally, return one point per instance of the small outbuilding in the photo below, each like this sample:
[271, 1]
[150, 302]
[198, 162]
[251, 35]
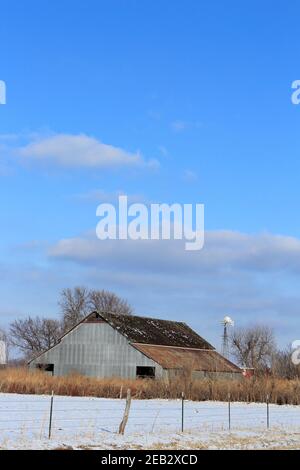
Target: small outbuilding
[110, 345]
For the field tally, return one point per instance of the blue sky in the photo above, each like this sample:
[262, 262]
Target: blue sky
[200, 95]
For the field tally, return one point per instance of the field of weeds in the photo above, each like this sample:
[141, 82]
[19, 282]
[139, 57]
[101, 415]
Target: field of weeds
[256, 389]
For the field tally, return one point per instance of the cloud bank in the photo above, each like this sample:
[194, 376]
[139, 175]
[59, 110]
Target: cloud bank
[223, 250]
[80, 151]
[254, 278]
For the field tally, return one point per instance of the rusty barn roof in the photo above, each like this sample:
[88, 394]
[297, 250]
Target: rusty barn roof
[147, 330]
[170, 357]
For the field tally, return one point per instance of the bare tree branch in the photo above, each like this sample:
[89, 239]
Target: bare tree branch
[105, 301]
[254, 346]
[74, 306]
[283, 366]
[34, 335]
[76, 303]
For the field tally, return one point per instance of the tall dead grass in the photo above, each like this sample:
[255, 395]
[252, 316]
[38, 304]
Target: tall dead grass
[256, 389]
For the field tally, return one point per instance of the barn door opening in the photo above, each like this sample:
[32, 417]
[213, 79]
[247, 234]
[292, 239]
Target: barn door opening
[145, 372]
[49, 368]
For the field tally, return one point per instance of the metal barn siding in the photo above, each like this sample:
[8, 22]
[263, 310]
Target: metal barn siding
[96, 349]
[200, 375]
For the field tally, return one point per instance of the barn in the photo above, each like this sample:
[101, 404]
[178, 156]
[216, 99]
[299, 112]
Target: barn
[111, 345]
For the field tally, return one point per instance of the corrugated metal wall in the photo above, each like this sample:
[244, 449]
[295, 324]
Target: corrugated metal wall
[96, 349]
[199, 375]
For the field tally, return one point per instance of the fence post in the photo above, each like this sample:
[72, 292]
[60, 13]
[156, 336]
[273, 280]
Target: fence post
[50, 417]
[268, 412]
[126, 413]
[182, 411]
[229, 412]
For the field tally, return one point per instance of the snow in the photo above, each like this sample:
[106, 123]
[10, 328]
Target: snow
[84, 422]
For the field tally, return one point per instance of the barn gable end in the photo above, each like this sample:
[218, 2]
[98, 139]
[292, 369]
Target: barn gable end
[95, 348]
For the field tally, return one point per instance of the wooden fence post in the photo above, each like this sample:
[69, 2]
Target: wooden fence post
[182, 412]
[126, 413]
[268, 412]
[229, 412]
[50, 416]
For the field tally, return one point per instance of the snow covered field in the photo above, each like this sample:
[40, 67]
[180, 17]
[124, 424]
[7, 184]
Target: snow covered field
[93, 423]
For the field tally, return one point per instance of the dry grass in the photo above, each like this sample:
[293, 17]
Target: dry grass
[280, 391]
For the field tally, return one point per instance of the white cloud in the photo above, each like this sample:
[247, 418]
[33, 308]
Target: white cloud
[81, 151]
[223, 251]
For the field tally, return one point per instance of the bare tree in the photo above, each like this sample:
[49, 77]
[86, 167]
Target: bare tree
[105, 301]
[283, 366]
[253, 346]
[34, 335]
[74, 304]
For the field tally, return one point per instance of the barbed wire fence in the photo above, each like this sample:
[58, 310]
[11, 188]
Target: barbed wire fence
[53, 416]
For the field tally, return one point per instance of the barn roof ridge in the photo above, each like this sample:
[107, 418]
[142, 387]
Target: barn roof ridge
[156, 331]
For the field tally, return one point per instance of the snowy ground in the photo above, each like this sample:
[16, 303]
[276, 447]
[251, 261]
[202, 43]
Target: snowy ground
[153, 424]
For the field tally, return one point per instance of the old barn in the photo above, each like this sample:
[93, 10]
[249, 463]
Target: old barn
[110, 345]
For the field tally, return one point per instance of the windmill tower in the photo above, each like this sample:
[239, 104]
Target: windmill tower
[227, 322]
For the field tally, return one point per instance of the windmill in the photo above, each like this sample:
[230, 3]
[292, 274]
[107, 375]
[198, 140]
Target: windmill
[226, 322]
